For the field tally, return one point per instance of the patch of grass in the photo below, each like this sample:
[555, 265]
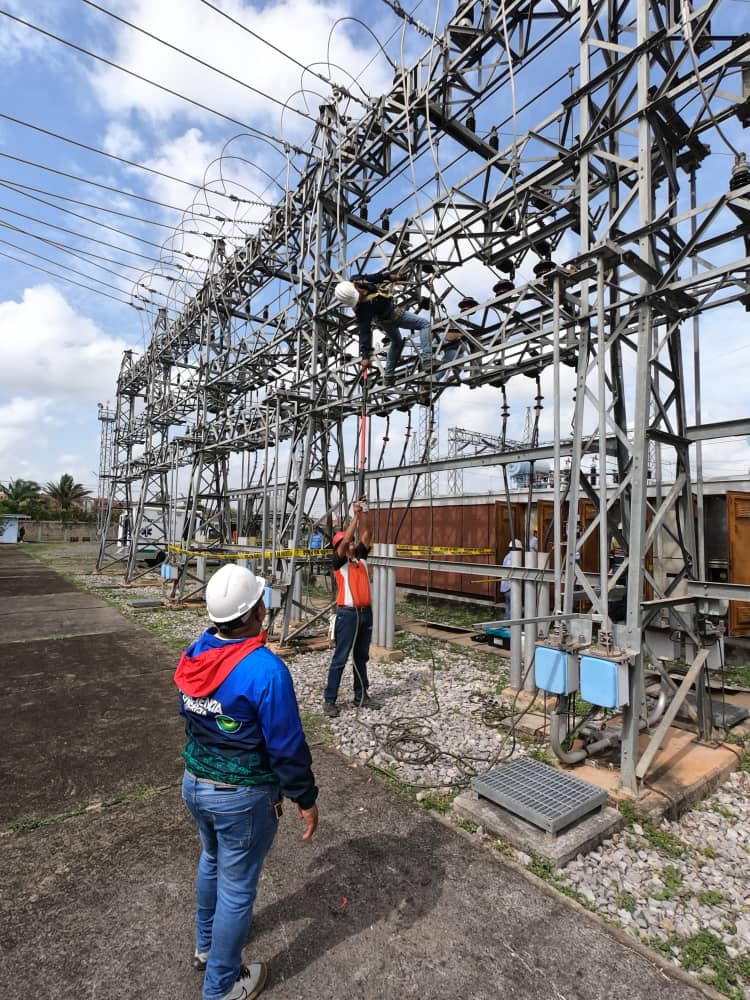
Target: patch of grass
[625, 901]
[628, 813]
[739, 676]
[705, 949]
[505, 848]
[571, 893]
[672, 877]
[467, 824]
[22, 826]
[317, 728]
[709, 897]
[541, 867]
[542, 754]
[708, 851]
[661, 840]
[722, 811]
[388, 774]
[439, 802]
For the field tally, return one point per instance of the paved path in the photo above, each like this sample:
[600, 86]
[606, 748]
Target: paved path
[385, 903]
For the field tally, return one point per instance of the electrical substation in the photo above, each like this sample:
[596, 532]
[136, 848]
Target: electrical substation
[554, 184]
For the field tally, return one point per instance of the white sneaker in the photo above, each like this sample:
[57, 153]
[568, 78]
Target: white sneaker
[250, 982]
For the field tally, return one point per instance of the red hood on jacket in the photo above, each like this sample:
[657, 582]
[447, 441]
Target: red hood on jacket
[201, 674]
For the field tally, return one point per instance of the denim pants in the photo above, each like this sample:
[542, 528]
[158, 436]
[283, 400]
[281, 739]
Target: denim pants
[409, 321]
[353, 630]
[237, 827]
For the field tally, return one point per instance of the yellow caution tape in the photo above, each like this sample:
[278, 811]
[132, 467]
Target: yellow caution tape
[259, 554]
[415, 550]
[444, 550]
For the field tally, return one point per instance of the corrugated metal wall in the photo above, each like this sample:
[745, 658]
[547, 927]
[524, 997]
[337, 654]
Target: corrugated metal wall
[738, 510]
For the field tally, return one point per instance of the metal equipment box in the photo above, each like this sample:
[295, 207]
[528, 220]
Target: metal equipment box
[604, 682]
[555, 670]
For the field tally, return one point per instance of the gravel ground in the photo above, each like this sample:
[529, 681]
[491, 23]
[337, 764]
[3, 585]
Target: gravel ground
[681, 887]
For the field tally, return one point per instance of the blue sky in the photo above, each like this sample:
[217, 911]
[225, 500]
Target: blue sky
[61, 344]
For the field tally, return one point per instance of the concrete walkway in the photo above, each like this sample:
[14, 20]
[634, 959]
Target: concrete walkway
[386, 902]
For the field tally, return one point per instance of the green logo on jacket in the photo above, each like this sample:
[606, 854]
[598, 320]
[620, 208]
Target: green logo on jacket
[227, 725]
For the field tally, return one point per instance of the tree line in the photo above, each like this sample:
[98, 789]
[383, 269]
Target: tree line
[61, 500]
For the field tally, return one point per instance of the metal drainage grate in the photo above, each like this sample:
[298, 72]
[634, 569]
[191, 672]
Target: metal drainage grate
[546, 797]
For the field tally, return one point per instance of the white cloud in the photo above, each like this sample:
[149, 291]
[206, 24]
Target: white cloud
[49, 350]
[20, 423]
[122, 141]
[304, 29]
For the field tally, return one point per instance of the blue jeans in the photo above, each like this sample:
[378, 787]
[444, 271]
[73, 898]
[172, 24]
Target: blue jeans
[450, 352]
[409, 321]
[237, 827]
[353, 629]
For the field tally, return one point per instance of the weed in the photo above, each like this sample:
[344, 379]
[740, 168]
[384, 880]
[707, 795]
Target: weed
[708, 851]
[317, 728]
[706, 949]
[662, 840]
[504, 847]
[438, 802]
[541, 867]
[722, 811]
[672, 878]
[628, 813]
[542, 754]
[625, 901]
[571, 893]
[466, 824]
[709, 897]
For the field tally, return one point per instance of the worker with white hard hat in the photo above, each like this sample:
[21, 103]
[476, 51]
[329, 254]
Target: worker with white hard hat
[372, 303]
[245, 750]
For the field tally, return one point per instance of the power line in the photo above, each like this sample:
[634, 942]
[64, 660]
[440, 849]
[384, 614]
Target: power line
[93, 222]
[82, 236]
[85, 254]
[120, 159]
[67, 267]
[202, 62]
[44, 270]
[153, 83]
[280, 52]
[104, 187]
[17, 186]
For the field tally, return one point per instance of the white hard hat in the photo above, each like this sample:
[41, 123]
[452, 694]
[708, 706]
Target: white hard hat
[346, 293]
[231, 592]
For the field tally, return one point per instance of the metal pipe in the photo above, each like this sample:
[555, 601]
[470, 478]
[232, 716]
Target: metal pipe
[542, 598]
[516, 599]
[378, 609]
[390, 604]
[530, 627]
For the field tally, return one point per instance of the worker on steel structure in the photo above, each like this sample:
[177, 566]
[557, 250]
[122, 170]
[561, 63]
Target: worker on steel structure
[372, 303]
[353, 628]
[245, 750]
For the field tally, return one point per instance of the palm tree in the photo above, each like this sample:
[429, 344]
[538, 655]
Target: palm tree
[20, 493]
[67, 493]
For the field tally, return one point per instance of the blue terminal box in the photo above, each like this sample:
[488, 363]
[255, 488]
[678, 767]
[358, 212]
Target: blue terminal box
[604, 682]
[555, 670]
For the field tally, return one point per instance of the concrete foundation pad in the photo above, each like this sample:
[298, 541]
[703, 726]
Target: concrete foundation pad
[682, 774]
[35, 584]
[386, 655]
[580, 838]
[66, 601]
[42, 623]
